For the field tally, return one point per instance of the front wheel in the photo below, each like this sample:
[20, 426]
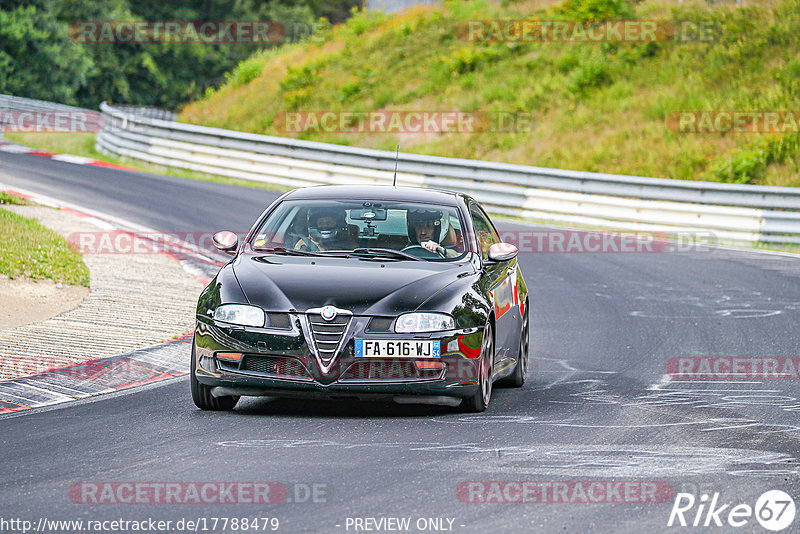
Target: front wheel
[480, 400]
[201, 394]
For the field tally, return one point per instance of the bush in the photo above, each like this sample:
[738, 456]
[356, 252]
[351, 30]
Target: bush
[594, 73]
[301, 77]
[567, 62]
[467, 59]
[245, 72]
[591, 10]
[748, 164]
[363, 20]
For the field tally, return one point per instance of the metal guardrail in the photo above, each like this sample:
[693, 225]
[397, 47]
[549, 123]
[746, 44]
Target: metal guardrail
[18, 103]
[151, 113]
[735, 213]
[19, 107]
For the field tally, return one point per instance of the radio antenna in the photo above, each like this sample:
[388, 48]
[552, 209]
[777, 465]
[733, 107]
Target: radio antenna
[396, 157]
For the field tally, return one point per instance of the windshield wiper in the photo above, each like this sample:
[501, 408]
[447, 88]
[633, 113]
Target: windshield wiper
[386, 253]
[290, 251]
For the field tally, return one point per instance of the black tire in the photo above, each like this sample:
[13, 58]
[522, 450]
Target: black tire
[517, 378]
[480, 400]
[201, 394]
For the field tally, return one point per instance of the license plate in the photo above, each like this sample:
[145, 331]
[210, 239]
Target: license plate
[391, 348]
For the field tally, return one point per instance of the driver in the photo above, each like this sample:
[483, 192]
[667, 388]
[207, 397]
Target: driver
[327, 230]
[425, 230]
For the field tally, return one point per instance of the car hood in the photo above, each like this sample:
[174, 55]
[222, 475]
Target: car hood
[278, 283]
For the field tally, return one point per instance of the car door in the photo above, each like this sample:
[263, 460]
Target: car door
[497, 284]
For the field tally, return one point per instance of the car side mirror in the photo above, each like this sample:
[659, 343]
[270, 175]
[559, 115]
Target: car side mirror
[226, 242]
[502, 252]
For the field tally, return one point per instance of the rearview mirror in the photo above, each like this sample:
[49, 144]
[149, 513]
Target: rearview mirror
[226, 242]
[502, 252]
[368, 214]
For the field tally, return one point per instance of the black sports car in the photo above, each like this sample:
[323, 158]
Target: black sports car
[367, 292]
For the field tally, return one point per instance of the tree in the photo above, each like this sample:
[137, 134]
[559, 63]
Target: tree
[39, 60]
[37, 57]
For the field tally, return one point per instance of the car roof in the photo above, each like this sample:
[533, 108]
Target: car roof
[374, 192]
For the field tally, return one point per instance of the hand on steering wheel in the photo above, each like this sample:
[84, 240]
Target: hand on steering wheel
[428, 247]
[433, 246]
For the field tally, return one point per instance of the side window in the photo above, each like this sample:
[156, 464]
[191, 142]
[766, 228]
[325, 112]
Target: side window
[484, 232]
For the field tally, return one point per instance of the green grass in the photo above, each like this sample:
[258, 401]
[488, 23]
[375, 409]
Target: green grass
[30, 250]
[593, 106]
[82, 144]
[79, 144]
[7, 198]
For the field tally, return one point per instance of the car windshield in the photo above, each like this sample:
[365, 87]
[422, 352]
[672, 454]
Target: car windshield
[392, 230]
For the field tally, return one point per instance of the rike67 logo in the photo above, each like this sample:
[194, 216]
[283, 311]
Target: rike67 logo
[774, 510]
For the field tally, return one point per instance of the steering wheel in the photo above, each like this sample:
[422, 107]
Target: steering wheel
[307, 243]
[415, 249]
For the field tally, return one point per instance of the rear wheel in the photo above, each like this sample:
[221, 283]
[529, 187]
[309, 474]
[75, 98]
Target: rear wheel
[517, 378]
[480, 400]
[201, 394]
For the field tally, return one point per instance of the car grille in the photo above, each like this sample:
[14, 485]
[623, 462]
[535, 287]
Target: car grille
[268, 365]
[388, 370]
[328, 334]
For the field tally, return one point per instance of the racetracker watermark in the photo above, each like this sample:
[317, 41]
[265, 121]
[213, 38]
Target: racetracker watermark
[409, 122]
[564, 492]
[526, 241]
[257, 523]
[732, 368]
[531, 30]
[723, 122]
[177, 31]
[197, 493]
[399, 361]
[78, 121]
[121, 371]
[596, 242]
[121, 242]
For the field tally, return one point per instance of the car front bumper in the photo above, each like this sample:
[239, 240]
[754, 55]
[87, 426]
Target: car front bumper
[285, 363]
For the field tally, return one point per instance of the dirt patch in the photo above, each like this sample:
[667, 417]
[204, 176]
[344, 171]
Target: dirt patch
[27, 301]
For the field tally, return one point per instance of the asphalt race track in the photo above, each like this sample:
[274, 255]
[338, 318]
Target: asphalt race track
[604, 329]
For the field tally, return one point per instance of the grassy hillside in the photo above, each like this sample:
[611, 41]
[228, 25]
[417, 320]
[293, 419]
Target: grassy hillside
[595, 106]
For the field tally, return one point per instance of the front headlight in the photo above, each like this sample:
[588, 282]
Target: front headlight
[423, 322]
[241, 314]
